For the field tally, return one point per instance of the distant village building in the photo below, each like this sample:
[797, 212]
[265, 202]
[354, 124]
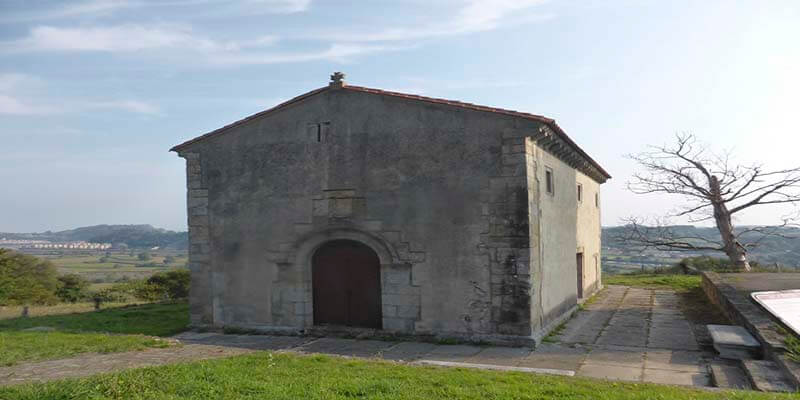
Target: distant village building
[356, 208]
[81, 245]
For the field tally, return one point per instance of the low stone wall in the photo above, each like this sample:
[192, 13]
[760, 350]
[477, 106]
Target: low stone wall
[743, 311]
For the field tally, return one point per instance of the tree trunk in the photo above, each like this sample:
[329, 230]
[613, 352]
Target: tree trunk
[736, 253]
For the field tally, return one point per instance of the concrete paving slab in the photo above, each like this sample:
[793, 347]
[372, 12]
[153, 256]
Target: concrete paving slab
[453, 352]
[668, 377]
[500, 355]
[362, 348]
[677, 342]
[325, 345]
[633, 359]
[407, 351]
[623, 338]
[675, 360]
[611, 372]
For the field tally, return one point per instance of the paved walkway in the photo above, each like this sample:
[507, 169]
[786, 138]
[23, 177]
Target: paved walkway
[625, 334]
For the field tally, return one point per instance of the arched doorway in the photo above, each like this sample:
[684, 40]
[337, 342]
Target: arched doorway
[346, 282]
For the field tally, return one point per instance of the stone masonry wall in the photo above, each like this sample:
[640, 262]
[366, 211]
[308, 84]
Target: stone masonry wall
[200, 305]
[507, 241]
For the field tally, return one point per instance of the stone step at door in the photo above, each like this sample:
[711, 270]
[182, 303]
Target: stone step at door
[766, 376]
[734, 342]
[728, 374]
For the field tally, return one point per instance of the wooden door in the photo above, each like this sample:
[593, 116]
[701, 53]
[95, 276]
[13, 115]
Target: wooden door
[579, 261]
[346, 285]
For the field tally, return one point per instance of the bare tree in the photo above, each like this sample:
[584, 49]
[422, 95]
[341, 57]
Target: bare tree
[712, 188]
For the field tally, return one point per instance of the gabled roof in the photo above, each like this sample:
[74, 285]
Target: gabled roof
[538, 118]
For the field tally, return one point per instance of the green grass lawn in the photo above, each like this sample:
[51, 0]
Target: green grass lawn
[111, 330]
[655, 281]
[284, 376]
[147, 319]
[16, 347]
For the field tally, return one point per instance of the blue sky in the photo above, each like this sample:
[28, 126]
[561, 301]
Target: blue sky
[94, 92]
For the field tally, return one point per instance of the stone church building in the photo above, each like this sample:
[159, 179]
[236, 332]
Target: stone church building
[388, 213]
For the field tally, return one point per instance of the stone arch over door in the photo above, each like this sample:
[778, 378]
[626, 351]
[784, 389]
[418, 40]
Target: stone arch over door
[346, 285]
[293, 305]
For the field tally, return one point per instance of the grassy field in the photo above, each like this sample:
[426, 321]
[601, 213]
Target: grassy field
[35, 346]
[147, 319]
[7, 312]
[110, 330]
[117, 266]
[285, 376]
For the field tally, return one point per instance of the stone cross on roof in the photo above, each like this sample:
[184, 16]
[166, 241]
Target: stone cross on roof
[337, 79]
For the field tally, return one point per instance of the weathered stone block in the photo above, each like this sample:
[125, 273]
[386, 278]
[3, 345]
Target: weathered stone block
[198, 211]
[372, 226]
[197, 202]
[194, 183]
[340, 194]
[408, 311]
[400, 289]
[398, 324]
[389, 310]
[397, 276]
[400, 299]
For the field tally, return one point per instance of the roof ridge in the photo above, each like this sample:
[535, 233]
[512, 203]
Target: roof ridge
[455, 103]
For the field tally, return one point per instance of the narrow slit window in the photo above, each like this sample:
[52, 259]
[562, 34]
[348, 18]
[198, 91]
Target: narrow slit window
[597, 199]
[548, 178]
[319, 133]
[580, 193]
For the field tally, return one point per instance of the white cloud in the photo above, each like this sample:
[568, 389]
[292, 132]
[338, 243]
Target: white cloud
[337, 52]
[134, 106]
[22, 94]
[180, 40]
[71, 10]
[96, 8]
[120, 38]
[281, 6]
[12, 81]
[12, 106]
[474, 16]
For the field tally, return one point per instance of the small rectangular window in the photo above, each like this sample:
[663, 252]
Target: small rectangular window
[318, 132]
[548, 178]
[597, 199]
[580, 193]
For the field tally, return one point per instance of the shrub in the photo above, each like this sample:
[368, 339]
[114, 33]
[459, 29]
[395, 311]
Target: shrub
[72, 287]
[170, 285]
[26, 279]
[109, 295]
[145, 256]
[174, 284]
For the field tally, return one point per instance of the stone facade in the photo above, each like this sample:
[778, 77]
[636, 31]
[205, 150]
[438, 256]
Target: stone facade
[450, 196]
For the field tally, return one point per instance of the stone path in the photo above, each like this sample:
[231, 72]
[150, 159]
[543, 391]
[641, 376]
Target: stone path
[625, 334]
[636, 335]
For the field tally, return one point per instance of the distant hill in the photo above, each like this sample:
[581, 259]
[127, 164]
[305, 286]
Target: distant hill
[783, 249]
[137, 236]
